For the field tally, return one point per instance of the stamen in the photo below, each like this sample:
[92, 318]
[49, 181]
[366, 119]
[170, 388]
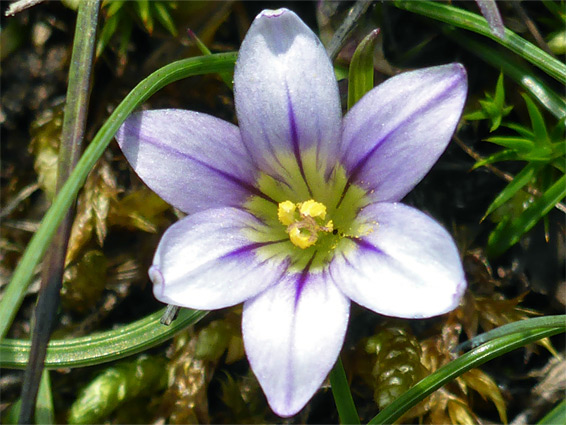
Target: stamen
[304, 228]
[286, 212]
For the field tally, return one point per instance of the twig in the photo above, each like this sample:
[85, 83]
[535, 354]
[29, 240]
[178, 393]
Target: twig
[347, 26]
[531, 27]
[18, 6]
[502, 174]
[24, 194]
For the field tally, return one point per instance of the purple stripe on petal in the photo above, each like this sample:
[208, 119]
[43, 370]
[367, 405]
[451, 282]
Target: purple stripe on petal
[192, 160]
[302, 279]
[295, 139]
[363, 244]
[359, 166]
[207, 261]
[246, 249]
[398, 130]
[172, 151]
[407, 267]
[281, 59]
[291, 346]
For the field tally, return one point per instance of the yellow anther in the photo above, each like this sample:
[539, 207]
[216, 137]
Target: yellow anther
[304, 227]
[313, 209]
[286, 212]
[301, 239]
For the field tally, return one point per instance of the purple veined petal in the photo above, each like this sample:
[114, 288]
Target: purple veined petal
[293, 333]
[407, 266]
[491, 13]
[285, 92]
[192, 160]
[398, 130]
[206, 261]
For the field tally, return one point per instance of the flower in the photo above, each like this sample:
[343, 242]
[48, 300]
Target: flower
[295, 212]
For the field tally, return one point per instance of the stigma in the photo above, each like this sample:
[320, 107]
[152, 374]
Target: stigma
[304, 221]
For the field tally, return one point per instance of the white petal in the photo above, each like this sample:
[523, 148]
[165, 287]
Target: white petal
[207, 261]
[406, 265]
[293, 333]
[286, 94]
[398, 130]
[192, 160]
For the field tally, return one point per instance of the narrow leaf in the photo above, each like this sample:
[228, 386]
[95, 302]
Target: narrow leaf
[509, 232]
[556, 415]
[227, 77]
[44, 411]
[342, 395]
[518, 143]
[360, 76]
[16, 289]
[473, 22]
[164, 17]
[112, 7]
[522, 130]
[505, 155]
[537, 121]
[520, 181]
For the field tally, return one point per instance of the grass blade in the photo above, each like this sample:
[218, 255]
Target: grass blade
[100, 347]
[342, 395]
[509, 232]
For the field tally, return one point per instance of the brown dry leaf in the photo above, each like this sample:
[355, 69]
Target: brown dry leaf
[185, 401]
[93, 206]
[141, 210]
[451, 404]
[46, 136]
[84, 282]
[487, 388]
[193, 365]
[244, 399]
[460, 413]
[497, 311]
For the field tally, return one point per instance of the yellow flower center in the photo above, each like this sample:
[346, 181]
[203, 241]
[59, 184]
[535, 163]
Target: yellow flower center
[304, 221]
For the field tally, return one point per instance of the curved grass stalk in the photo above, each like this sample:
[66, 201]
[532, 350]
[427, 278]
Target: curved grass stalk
[100, 347]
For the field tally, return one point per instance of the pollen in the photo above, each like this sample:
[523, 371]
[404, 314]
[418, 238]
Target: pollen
[304, 225]
[286, 212]
[312, 208]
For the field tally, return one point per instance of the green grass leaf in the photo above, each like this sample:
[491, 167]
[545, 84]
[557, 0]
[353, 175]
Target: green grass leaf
[505, 155]
[100, 347]
[509, 232]
[520, 181]
[360, 74]
[164, 17]
[342, 395]
[519, 144]
[555, 416]
[537, 122]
